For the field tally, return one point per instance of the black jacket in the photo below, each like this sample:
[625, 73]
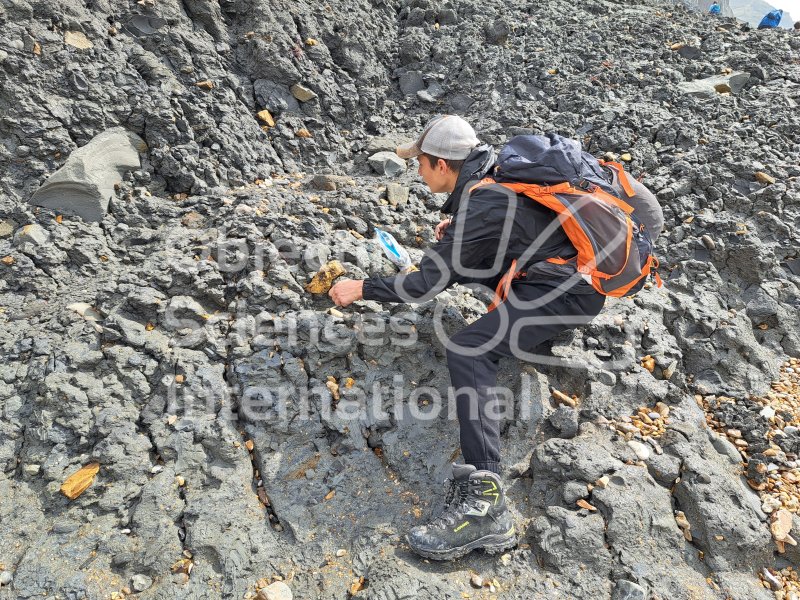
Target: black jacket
[489, 228]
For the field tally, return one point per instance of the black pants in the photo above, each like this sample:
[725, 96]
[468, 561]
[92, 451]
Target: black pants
[532, 314]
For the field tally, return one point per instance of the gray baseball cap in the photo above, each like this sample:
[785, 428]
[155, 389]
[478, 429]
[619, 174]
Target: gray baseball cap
[446, 136]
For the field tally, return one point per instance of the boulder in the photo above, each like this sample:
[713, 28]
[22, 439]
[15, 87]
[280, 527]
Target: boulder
[718, 84]
[387, 163]
[85, 184]
[31, 235]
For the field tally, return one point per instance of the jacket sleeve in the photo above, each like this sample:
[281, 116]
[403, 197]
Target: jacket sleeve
[469, 242]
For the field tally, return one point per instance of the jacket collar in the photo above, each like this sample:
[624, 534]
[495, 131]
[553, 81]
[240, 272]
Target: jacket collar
[476, 166]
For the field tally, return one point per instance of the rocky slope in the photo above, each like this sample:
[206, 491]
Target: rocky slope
[172, 343]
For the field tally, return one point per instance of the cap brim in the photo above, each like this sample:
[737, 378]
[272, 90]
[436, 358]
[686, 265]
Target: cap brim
[409, 150]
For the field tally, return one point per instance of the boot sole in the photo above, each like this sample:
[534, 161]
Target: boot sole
[491, 544]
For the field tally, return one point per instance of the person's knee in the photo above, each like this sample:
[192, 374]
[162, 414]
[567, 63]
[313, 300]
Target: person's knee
[461, 349]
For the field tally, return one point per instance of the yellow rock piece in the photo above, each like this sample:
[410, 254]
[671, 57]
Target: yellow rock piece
[206, 84]
[562, 398]
[79, 482]
[762, 177]
[323, 280]
[333, 387]
[266, 116]
[76, 39]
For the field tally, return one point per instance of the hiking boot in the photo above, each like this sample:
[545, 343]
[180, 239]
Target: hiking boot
[475, 516]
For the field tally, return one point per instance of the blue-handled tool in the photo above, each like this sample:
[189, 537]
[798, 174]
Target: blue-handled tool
[392, 249]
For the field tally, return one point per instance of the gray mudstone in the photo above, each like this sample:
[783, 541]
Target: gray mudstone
[627, 590]
[33, 234]
[411, 82]
[6, 228]
[85, 184]
[710, 86]
[140, 583]
[387, 163]
[397, 194]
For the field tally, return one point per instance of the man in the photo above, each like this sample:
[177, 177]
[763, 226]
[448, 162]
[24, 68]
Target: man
[772, 19]
[489, 229]
[715, 9]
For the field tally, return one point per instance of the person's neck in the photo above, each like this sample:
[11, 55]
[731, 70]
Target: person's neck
[451, 181]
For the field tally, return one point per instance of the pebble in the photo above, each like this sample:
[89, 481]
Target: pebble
[302, 93]
[5, 578]
[341, 552]
[476, 580]
[642, 451]
[770, 504]
[654, 415]
[790, 429]
[140, 583]
[767, 412]
[275, 591]
[708, 242]
[776, 583]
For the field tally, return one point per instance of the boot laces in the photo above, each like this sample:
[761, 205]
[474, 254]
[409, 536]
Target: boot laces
[455, 502]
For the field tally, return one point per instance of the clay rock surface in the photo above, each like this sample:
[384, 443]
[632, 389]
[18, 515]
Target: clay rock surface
[155, 321]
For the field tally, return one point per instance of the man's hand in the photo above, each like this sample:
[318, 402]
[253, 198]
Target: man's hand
[346, 292]
[439, 231]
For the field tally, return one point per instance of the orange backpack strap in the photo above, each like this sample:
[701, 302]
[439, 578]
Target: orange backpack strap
[482, 183]
[622, 176]
[557, 260]
[501, 292]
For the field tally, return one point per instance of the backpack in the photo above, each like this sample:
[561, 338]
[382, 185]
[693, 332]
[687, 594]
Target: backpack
[614, 247]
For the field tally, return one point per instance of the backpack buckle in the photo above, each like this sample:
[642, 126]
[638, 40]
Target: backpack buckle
[585, 185]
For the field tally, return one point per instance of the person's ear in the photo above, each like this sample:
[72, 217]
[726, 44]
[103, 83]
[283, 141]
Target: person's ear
[441, 165]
